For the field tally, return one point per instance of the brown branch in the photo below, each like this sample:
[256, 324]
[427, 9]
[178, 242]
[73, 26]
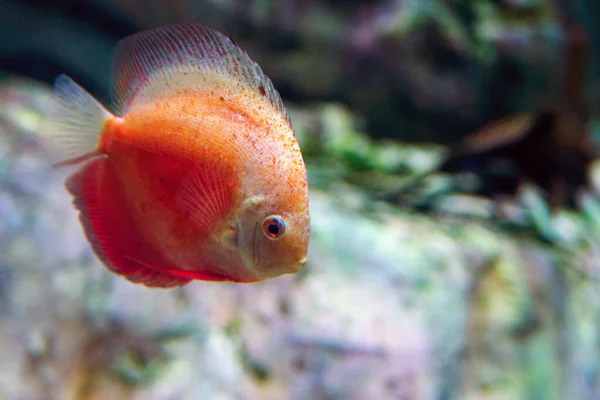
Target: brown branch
[576, 53]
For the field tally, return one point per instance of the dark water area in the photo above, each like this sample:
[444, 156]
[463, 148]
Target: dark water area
[364, 54]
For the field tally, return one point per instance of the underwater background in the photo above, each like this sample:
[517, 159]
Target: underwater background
[443, 264]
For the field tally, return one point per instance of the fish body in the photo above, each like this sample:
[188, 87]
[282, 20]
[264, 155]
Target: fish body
[198, 175]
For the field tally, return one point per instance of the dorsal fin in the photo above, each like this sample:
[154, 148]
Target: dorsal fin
[184, 56]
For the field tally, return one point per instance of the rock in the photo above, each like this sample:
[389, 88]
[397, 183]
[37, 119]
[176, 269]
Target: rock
[393, 304]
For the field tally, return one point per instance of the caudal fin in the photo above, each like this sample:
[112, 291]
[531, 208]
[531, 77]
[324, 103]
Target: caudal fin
[73, 122]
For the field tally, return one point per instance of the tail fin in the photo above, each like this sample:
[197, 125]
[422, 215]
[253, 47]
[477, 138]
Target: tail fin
[73, 121]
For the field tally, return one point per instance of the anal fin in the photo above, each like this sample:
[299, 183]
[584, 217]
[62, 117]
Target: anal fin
[111, 230]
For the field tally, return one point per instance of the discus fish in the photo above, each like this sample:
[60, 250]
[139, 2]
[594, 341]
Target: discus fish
[197, 175]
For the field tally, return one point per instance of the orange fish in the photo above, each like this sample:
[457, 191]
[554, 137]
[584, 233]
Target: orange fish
[197, 175]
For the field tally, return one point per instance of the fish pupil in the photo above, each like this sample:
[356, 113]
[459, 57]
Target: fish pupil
[273, 229]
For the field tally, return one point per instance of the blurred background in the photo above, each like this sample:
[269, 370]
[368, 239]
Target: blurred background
[451, 149]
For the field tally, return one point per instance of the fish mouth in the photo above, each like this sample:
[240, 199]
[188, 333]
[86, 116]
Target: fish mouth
[302, 263]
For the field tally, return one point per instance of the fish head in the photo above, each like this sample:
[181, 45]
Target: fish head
[273, 235]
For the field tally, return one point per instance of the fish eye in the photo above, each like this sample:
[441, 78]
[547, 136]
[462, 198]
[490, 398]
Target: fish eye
[273, 227]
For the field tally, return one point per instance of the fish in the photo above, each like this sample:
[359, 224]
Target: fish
[195, 174]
